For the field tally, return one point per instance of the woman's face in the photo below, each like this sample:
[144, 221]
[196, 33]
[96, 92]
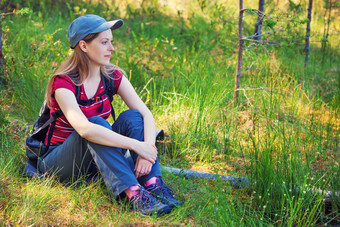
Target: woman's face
[99, 50]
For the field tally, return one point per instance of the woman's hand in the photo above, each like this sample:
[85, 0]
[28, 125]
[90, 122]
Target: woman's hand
[143, 167]
[147, 151]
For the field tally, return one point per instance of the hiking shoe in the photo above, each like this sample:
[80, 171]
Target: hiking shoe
[145, 203]
[163, 193]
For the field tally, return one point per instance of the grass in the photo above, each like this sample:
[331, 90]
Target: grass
[181, 57]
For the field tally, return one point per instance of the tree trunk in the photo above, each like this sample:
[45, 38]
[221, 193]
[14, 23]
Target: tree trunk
[240, 51]
[326, 30]
[1, 55]
[307, 46]
[329, 17]
[258, 24]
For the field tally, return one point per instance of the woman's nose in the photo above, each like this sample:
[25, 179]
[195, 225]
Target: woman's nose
[111, 48]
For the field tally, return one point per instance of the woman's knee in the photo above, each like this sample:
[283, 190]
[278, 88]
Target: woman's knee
[131, 116]
[100, 121]
[128, 123]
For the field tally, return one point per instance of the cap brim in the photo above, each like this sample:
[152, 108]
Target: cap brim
[115, 24]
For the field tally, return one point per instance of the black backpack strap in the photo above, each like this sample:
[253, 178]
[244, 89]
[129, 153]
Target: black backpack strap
[47, 123]
[77, 92]
[53, 121]
[109, 87]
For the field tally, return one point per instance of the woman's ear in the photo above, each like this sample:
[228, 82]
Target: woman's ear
[83, 46]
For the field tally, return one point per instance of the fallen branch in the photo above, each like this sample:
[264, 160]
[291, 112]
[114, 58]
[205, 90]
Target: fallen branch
[236, 182]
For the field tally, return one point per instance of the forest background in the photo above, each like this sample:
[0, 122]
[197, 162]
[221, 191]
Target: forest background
[181, 56]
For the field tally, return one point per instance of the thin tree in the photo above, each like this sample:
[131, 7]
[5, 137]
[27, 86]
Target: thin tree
[307, 46]
[1, 55]
[258, 24]
[240, 52]
[326, 28]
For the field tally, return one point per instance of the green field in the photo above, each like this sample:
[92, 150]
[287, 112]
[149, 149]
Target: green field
[283, 134]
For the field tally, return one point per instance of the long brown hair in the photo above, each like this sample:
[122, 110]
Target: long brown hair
[76, 67]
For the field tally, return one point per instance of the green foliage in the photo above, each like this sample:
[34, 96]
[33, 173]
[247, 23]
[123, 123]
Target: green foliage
[270, 23]
[3, 118]
[331, 4]
[251, 12]
[304, 21]
[202, 4]
[324, 40]
[23, 11]
[296, 7]
[336, 4]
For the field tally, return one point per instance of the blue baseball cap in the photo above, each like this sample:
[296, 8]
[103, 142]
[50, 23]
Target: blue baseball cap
[89, 24]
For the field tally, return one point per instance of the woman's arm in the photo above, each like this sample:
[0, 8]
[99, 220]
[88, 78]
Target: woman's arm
[97, 133]
[132, 100]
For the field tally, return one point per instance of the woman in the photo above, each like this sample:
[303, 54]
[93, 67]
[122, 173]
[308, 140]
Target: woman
[83, 142]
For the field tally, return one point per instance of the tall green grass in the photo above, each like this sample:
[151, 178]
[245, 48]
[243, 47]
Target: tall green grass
[283, 134]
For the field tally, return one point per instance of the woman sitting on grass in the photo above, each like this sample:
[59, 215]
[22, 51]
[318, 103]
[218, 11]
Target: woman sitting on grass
[83, 142]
